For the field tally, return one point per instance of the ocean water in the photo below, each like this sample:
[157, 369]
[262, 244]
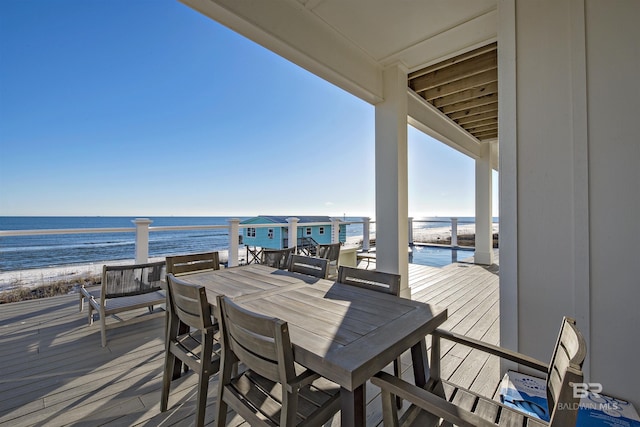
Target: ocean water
[26, 252]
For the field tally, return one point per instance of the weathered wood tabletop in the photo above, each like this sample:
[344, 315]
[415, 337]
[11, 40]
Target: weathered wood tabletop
[342, 332]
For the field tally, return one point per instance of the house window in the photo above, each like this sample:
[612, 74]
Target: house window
[321, 230]
[270, 233]
[307, 231]
[251, 232]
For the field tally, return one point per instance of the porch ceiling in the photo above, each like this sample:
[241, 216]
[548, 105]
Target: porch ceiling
[465, 89]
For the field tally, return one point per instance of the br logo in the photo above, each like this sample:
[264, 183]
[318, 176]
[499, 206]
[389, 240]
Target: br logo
[581, 390]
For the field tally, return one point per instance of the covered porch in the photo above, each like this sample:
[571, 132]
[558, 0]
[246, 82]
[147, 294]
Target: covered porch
[567, 152]
[55, 372]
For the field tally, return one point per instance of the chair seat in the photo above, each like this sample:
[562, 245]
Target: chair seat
[191, 344]
[120, 304]
[255, 391]
[483, 411]
[485, 408]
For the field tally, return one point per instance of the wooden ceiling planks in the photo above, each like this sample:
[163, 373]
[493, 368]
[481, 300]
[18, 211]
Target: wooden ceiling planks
[465, 89]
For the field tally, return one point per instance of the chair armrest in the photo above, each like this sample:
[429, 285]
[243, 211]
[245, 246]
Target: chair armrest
[302, 380]
[429, 401]
[504, 353]
[89, 293]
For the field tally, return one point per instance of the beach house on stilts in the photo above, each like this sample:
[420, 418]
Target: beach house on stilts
[272, 232]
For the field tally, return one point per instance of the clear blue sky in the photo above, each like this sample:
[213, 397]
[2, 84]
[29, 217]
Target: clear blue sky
[148, 108]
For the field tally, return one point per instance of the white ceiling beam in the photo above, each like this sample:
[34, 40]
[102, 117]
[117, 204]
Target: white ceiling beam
[293, 32]
[476, 32]
[428, 119]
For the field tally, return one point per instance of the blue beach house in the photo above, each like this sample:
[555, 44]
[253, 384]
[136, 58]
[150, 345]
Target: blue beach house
[311, 231]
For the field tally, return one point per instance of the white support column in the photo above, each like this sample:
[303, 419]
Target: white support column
[484, 235]
[508, 161]
[293, 232]
[410, 221]
[335, 230]
[454, 232]
[392, 210]
[234, 232]
[142, 239]
[366, 233]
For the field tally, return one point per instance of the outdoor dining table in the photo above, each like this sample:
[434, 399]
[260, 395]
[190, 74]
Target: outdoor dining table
[342, 332]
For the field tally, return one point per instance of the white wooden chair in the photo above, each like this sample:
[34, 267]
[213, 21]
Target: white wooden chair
[126, 288]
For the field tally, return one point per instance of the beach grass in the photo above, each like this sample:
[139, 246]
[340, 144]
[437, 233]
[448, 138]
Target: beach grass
[22, 292]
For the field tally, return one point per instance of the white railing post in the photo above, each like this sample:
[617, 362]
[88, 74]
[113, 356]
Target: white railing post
[234, 245]
[335, 230]
[142, 239]
[454, 232]
[410, 231]
[366, 233]
[293, 232]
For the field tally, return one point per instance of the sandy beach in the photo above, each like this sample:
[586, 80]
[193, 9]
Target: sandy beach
[81, 272]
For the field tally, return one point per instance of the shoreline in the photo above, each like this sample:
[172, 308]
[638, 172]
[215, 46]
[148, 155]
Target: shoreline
[79, 273]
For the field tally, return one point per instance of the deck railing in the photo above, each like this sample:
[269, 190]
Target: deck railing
[142, 227]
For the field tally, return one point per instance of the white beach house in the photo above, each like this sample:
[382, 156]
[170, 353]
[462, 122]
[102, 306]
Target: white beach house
[565, 141]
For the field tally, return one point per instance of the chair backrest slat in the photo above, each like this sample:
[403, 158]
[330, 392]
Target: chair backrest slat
[565, 368]
[369, 279]
[316, 267]
[189, 302]
[276, 258]
[129, 280]
[180, 264]
[262, 343]
[329, 251]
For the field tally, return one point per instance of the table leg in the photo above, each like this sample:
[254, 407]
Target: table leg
[420, 363]
[353, 407]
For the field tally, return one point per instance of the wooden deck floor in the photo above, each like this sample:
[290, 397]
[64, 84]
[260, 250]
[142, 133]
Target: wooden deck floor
[54, 371]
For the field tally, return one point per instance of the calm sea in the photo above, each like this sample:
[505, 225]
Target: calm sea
[24, 252]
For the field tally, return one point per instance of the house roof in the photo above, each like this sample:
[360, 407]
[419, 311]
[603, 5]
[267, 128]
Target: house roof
[282, 219]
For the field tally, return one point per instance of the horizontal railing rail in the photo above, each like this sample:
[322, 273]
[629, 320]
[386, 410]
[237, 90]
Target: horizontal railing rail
[142, 228]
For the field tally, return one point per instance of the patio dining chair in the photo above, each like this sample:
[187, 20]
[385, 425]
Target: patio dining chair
[186, 264]
[273, 390]
[276, 258]
[311, 266]
[183, 264]
[125, 288]
[330, 252]
[453, 404]
[197, 348]
[378, 281]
